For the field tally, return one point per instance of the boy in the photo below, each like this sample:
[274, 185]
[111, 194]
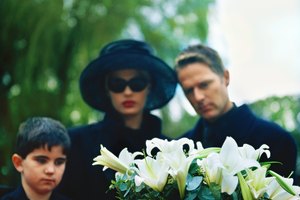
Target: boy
[41, 154]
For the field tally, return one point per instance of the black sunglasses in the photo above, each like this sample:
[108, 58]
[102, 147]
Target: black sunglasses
[118, 85]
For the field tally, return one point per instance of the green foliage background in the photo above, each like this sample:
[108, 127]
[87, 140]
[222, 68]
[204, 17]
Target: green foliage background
[45, 44]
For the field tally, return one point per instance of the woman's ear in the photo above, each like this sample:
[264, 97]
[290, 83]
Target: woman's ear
[17, 160]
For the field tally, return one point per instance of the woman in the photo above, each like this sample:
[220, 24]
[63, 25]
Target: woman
[125, 82]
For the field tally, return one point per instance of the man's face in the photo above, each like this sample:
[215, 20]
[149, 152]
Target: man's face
[206, 90]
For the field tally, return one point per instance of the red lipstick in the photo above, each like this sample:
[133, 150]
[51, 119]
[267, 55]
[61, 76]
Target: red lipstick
[128, 104]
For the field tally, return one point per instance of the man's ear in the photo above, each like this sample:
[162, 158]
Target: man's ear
[226, 77]
[17, 160]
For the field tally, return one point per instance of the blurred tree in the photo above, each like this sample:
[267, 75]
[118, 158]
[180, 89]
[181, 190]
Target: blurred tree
[45, 44]
[285, 111]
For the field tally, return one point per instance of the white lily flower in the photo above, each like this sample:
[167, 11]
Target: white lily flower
[138, 180]
[258, 182]
[212, 167]
[173, 153]
[197, 150]
[109, 160]
[276, 192]
[226, 167]
[153, 172]
[232, 159]
[233, 162]
[216, 172]
[222, 168]
[229, 182]
[179, 166]
[166, 146]
[128, 158]
[249, 152]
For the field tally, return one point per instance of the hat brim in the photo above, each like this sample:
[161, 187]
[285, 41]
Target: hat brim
[92, 79]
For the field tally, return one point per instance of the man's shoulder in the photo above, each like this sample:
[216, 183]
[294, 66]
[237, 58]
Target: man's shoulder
[269, 126]
[260, 122]
[194, 132]
[266, 129]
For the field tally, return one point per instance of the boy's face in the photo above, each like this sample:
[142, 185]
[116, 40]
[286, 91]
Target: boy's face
[41, 170]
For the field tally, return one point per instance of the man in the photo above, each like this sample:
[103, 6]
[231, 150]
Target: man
[204, 80]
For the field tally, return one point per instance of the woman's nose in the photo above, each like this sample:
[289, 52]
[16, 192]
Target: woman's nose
[127, 90]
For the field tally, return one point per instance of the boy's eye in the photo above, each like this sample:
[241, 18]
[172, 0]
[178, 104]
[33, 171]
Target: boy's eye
[41, 160]
[60, 161]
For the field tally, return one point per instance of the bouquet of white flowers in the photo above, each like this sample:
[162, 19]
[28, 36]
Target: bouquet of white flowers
[167, 169]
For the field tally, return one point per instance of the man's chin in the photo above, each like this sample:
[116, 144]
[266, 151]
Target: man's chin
[209, 116]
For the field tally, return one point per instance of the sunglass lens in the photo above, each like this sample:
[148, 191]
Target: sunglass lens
[137, 84]
[116, 85]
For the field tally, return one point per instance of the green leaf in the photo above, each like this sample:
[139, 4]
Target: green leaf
[246, 193]
[205, 152]
[206, 194]
[215, 190]
[123, 186]
[193, 182]
[282, 183]
[194, 167]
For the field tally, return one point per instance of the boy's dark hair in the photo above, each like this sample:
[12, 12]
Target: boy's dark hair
[202, 54]
[43, 132]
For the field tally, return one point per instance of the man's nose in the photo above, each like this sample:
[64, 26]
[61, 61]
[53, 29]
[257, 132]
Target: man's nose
[198, 94]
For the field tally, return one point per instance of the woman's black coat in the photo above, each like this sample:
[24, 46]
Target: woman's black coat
[82, 180]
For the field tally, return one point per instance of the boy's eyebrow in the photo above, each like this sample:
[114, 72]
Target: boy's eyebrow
[62, 158]
[43, 156]
[40, 156]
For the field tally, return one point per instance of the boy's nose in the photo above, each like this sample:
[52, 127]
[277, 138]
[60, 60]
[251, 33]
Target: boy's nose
[50, 169]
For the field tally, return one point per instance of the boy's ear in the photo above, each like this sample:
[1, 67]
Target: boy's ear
[17, 161]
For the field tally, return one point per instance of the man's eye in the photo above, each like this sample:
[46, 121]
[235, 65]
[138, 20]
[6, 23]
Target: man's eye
[60, 161]
[204, 85]
[188, 91]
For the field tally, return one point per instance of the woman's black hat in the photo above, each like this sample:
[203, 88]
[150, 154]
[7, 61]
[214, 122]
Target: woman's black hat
[127, 54]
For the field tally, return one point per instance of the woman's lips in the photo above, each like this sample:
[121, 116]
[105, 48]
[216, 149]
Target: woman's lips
[128, 104]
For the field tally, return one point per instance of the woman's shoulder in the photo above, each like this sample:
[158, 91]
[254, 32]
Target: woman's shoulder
[83, 132]
[84, 129]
